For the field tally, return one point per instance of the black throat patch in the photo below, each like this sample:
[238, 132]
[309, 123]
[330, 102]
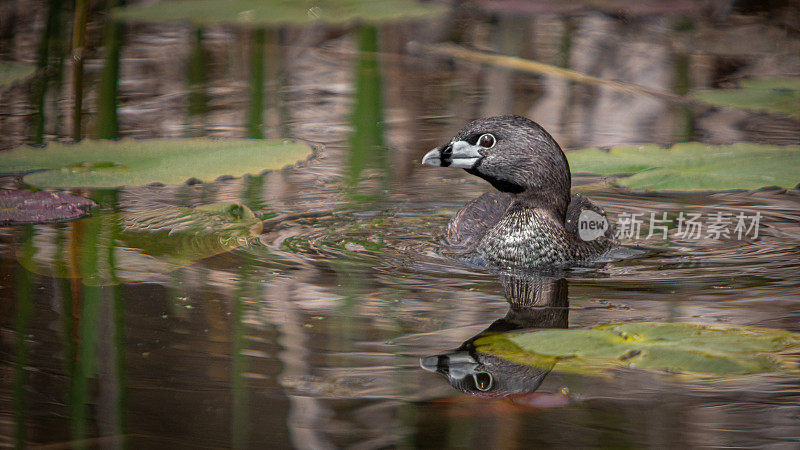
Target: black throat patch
[500, 185]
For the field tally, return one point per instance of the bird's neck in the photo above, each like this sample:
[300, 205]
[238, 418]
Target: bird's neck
[548, 200]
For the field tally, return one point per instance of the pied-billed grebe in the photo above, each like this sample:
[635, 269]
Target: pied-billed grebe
[534, 302]
[534, 220]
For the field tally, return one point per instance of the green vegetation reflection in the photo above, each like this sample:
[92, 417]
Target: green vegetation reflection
[673, 347]
[366, 141]
[12, 73]
[160, 239]
[140, 162]
[276, 12]
[693, 166]
[774, 95]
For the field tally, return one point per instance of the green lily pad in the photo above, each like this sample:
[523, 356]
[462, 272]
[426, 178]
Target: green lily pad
[156, 240]
[774, 95]
[109, 164]
[673, 347]
[13, 72]
[277, 12]
[693, 166]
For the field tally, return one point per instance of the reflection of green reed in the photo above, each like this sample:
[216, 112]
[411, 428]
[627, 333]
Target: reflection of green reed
[685, 114]
[97, 266]
[50, 65]
[251, 193]
[107, 91]
[24, 312]
[255, 115]
[197, 80]
[61, 272]
[366, 140]
[280, 113]
[265, 62]
[78, 50]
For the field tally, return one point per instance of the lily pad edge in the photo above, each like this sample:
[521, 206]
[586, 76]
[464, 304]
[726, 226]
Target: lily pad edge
[316, 150]
[614, 179]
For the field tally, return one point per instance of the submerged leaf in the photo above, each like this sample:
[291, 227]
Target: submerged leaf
[181, 236]
[674, 347]
[39, 207]
[775, 95]
[693, 166]
[156, 240]
[277, 12]
[109, 164]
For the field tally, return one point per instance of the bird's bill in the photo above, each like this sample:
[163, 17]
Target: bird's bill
[458, 364]
[459, 154]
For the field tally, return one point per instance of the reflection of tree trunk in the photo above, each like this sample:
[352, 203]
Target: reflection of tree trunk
[499, 85]
[508, 432]
[565, 48]
[110, 362]
[240, 408]
[463, 106]
[305, 413]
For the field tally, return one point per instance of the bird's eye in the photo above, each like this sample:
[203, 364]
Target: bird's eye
[486, 141]
[483, 380]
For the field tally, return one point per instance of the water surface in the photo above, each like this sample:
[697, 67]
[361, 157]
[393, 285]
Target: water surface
[310, 334]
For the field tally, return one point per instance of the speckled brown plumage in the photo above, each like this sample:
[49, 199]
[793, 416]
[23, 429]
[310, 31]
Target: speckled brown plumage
[532, 220]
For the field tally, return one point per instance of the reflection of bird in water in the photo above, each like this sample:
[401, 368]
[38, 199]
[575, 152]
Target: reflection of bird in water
[534, 302]
[533, 221]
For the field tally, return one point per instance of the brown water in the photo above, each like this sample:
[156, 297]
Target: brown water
[310, 334]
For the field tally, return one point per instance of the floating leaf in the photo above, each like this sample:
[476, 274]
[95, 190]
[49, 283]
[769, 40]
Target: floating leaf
[775, 95]
[39, 207]
[674, 347]
[108, 164]
[159, 240]
[12, 72]
[181, 236]
[693, 166]
[277, 12]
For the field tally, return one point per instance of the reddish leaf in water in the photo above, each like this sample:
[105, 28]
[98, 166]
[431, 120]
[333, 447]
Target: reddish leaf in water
[38, 207]
[470, 406]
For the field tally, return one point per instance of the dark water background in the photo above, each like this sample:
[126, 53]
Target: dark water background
[310, 334]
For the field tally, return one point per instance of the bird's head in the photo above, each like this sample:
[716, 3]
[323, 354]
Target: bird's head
[513, 153]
